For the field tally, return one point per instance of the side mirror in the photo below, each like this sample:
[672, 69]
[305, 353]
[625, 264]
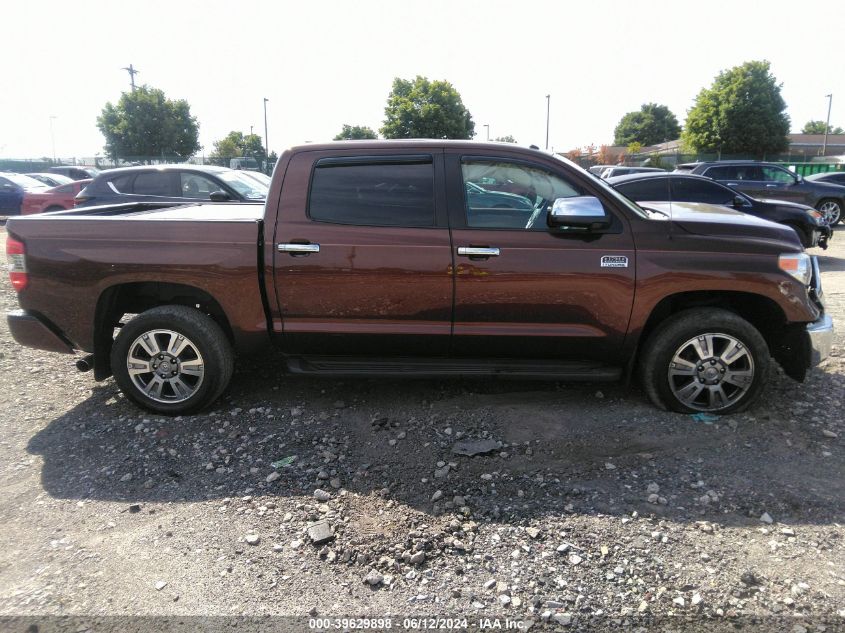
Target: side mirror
[739, 202]
[584, 212]
[219, 196]
[799, 179]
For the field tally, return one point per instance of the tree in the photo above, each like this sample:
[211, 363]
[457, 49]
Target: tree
[817, 127]
[505, 139]
[743, 112]
[426, 109]
[145, 124]
[635, 147]
[355, 132]
[651, 125]
[237, 144]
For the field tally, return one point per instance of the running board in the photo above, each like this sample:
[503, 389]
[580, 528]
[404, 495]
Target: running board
[414, 367]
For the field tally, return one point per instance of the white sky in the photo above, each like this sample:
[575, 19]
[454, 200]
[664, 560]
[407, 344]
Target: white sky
[325, 63]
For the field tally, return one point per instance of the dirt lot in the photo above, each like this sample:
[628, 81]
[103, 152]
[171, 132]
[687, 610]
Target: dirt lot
[594, 511]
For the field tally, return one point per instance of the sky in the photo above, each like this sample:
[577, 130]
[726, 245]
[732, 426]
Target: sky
[325, 63]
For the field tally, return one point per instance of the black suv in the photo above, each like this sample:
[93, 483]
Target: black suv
[677, 187]
[770, 181]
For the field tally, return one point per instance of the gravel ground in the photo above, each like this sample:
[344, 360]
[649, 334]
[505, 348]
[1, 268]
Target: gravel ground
[317, 497]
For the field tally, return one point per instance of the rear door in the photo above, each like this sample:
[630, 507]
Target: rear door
[362, 257]
[523, 290]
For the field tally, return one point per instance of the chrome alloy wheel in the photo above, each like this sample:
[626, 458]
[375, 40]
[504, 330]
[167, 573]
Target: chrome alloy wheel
[165, 366]
[711, 372]
[830, 211]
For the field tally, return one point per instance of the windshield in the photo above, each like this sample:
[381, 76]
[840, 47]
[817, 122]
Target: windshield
[25, 181]
[249, 188]
[633, 206]
[257, 175]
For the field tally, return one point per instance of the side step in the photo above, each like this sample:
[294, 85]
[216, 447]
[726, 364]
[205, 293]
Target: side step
[415, 367]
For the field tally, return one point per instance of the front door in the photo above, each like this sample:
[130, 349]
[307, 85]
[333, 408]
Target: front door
[523, 290]
[362, 257]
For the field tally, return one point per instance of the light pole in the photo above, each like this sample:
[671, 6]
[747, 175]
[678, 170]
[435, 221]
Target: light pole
[53, 138]
[487, 125]
[266, 144]
[827, 124]
[250, 129]
[548, 102]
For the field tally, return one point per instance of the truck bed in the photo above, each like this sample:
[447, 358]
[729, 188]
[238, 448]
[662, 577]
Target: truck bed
[75, 258]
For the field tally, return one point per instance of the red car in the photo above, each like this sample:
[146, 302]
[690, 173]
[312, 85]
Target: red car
[55, 199]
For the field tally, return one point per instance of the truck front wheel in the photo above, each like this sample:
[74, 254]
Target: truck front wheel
[705, 360]
[172, 360]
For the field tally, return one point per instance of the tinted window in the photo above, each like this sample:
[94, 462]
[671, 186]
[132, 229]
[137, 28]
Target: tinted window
[152, 183]
[122, 184]
[373, 194]
[690, 190]
[721, 173]
[837, 178]
[64, 189]
[503, 195]
[653, 189]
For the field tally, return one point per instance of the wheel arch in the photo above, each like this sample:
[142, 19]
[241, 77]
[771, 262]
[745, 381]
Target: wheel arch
[136, 297]
[761, 312]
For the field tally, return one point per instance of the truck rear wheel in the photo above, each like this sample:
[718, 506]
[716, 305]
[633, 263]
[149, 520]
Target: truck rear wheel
[705, 360]
[172, 360]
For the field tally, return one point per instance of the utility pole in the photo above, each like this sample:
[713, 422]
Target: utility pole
[132, 72]
[548, 102]
[266, 144]
[250, 129]
[487, 125]
[827, 123]
[53, 138]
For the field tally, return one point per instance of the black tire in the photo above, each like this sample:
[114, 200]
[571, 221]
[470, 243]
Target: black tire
[675, 337]
[834, 210]
[209, 352]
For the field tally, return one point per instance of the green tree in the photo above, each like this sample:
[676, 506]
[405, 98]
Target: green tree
[145, 124]
[237, 144]
[355, 132]
[652, 124]
[743, 112]
[817, 127]
[505, 139]
[426, 109]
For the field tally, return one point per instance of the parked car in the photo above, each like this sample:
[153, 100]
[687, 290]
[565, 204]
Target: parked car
[171, 183]
[767, 180]
[621, 170]
[371, 261]
[51, 180]
[75, 172]
[12, 189]
[679, 187]
[598, 169]
[53, 199]
[244, 162]
[481, 200]
[832, 177]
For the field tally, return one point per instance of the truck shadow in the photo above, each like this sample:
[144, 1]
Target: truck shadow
[566, 449]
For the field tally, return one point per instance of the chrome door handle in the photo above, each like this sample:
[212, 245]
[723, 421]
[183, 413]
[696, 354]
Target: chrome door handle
[478, 251]
[298, 248]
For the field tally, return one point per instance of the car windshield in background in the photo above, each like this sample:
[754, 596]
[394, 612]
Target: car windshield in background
[246, 186]
[26, 182]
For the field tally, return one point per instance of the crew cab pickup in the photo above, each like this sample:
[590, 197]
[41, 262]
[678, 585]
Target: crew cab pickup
[422, 258]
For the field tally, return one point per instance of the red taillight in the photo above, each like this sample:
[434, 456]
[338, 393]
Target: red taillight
[16, 256]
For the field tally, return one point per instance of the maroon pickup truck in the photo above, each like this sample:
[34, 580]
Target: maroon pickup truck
[422, 258]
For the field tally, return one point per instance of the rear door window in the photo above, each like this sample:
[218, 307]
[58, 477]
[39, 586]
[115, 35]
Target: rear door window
[383, 192]
[653, 189]
[692, 190]
[154, 183]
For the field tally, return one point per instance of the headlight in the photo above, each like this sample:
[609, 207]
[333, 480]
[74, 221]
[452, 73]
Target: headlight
[797, 265]
[815, 215]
